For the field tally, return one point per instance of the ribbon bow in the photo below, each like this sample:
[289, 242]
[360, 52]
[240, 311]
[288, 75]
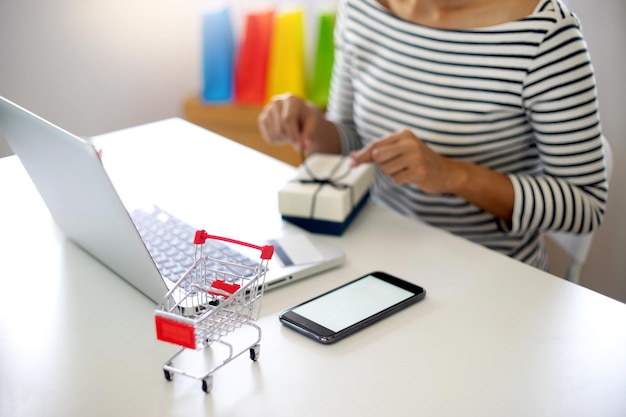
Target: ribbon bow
[322, 182]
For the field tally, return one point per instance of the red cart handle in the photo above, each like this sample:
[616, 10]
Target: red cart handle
[267, 251]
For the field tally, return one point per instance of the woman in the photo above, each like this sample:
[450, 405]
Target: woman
[481, 116]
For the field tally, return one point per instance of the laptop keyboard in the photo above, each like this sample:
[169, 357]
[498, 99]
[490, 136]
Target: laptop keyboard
[170, 243]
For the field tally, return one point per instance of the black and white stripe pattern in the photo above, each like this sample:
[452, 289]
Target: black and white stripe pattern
[518, 97]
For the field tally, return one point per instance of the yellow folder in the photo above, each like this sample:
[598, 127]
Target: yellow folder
[286, 72]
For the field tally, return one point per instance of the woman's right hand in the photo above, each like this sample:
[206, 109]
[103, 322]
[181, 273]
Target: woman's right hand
[289, 119]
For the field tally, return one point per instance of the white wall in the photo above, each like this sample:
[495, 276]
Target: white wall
[96, 66]
[604, 27]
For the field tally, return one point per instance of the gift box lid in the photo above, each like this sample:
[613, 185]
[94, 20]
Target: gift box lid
[326, 188]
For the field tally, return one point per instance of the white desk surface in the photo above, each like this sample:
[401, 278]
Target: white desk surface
[493, 337]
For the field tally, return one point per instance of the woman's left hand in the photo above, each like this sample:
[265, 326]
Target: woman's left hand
[408, 160]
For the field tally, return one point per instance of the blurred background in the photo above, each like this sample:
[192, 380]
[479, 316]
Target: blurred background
[96, 66]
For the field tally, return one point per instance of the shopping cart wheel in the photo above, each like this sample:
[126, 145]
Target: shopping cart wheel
[168, 375]
[255, 352]
[207, 384]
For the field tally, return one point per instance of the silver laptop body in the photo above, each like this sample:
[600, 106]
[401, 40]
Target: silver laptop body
[69, 174]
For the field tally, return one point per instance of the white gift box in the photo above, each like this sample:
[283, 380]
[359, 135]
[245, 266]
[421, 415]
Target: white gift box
[326, 193]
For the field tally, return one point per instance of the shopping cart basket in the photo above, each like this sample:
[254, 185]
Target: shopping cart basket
[214, 298]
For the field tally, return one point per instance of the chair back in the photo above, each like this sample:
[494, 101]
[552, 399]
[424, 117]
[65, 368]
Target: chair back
[577, 246]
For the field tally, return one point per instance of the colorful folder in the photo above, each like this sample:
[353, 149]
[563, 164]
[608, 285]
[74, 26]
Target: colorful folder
[253, 57]
[286, 71]
[324, 58]
[218, 47]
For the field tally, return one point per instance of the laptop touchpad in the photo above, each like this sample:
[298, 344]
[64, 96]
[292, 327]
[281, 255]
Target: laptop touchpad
[296, 249]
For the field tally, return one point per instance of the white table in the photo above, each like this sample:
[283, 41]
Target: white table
[493, 337]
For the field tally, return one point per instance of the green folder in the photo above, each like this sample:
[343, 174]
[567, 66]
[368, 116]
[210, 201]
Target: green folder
[324, 58]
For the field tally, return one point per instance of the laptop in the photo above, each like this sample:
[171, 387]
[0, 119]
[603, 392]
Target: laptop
[70, 174]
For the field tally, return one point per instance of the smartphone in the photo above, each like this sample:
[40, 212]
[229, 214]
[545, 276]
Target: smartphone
[351, 307]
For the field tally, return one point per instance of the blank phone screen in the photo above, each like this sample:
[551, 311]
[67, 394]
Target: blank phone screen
[352, 303]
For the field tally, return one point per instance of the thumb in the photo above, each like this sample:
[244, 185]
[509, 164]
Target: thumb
[361, 156]
[309, 124]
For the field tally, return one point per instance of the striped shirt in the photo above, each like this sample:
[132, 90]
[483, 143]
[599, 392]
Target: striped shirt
[518, 98]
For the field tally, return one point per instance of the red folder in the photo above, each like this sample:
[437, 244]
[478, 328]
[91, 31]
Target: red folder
[252, 61]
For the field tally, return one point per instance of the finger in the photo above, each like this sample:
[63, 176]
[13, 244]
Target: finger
[264, 123]
[309, 123]
[291, 120]
[276, 125]
[388, 152]
[363, 155]
[371, 152]
[271, 126]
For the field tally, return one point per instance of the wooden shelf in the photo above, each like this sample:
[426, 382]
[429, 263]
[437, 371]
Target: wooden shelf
[238, 123]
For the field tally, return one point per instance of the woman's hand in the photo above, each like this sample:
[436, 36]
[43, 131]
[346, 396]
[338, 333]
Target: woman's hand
[288, 119]
[408, 160]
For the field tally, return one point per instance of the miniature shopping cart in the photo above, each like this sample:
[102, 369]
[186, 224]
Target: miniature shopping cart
[212, 300]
